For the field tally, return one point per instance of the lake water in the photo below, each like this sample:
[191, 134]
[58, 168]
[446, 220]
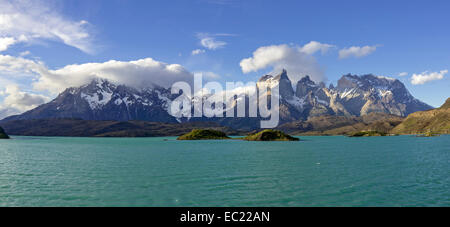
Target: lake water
[318, 171]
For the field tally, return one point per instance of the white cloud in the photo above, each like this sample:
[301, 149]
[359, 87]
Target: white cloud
[24, 53]
[28, 20]
[314, 46]
[293, 59]
[15, 66]
[426, 77]
[140, 73]
[16, 101]
[210, 42]
[356, 51]
[197, 51]
[5, 42]
[403, 74]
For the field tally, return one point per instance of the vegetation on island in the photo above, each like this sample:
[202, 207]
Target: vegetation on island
[204, 134]
[367, 134]
[265, 135]
[270, 135]
[3, 135]
[428, 134]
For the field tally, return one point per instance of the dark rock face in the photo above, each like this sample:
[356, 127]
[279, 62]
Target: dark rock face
[313, 98]
[286, 91]
[305, 86]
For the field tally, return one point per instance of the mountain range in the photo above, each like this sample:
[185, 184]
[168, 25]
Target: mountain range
[353, 96]
[102, 100]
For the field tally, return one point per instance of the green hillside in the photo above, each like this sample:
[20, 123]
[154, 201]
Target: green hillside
[431, 121]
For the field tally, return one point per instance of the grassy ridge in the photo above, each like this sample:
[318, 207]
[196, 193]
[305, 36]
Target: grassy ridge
[435, 121]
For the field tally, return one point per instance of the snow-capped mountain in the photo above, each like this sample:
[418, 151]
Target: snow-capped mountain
[353, 96]
[102, 100]
[361, 95]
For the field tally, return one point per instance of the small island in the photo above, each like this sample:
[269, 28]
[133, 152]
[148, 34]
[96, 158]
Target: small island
[428, 134]
[265, 135]
[270, 135]
[204, 134]
[3, 135]
[367, 134]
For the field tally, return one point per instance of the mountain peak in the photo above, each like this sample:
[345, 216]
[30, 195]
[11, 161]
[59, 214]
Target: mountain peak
[283, 81]
[304, 86]
[306, 80]
[282, 76]
[265, 78]
[368, 79]
[100, 83]
[103, 100]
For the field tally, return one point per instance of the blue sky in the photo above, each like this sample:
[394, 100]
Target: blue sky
[388, 38]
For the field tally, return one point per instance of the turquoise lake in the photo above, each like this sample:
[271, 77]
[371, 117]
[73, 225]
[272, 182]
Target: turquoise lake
[318, 171]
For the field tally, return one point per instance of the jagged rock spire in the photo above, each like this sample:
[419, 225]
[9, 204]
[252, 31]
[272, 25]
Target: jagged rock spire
[304, 86]
[286, 90]
[283, 76]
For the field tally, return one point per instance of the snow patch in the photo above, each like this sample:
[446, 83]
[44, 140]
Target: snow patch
[386, 78]
[383, 93]
[296, 101]
[166, 101]
[349, 93]
[97, 100]
[322, 101]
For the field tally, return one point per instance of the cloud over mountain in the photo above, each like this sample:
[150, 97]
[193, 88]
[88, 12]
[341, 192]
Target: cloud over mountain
[284, 56]
[143, 72]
